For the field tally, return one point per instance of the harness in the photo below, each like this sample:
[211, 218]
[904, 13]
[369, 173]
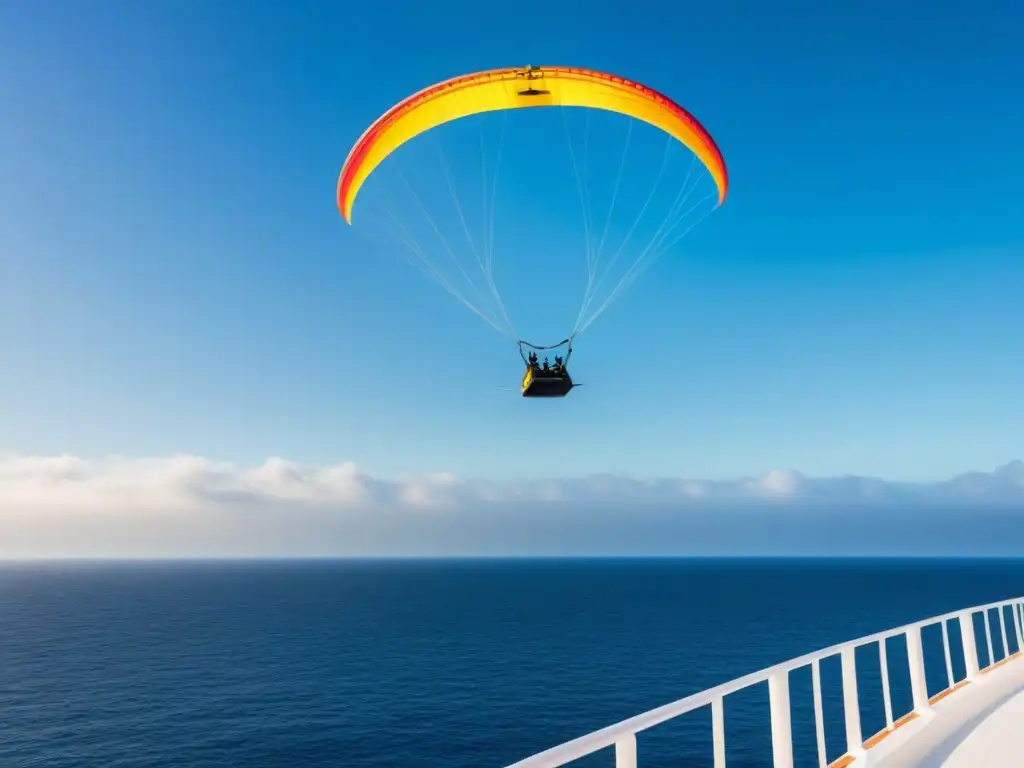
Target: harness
[563, 343]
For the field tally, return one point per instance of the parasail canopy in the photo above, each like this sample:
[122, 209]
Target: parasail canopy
[513, 88]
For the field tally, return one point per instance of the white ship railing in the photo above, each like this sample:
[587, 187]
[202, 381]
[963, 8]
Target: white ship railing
[622, 736]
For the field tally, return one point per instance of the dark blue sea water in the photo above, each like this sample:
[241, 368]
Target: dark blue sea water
[465, 663]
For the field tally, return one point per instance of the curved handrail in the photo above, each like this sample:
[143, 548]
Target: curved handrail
[622, 735]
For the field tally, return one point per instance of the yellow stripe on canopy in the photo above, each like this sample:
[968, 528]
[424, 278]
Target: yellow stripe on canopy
[514, 88]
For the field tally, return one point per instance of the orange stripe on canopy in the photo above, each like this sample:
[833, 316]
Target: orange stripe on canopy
[513, 88]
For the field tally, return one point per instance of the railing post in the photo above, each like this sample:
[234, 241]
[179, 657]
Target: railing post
[915, 656]
[851, 702]
[625, 752]
[782, 729]
[1015, 607]
[946, 654]
[883, 663]
[970, 644]
[988, 639]
[1002, 631]
[718, 731]
[819, 718]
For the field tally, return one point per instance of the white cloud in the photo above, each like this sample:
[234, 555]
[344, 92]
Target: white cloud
[187, 505]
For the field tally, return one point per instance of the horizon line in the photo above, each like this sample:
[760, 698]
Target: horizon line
[475, 558]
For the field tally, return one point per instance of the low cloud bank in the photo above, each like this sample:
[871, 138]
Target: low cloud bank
[63, 506]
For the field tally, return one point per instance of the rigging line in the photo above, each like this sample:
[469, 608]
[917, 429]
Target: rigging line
[455, 200]
[663, 230]
[406, 237]
[591, 272]
[643, 210]
[649, 262]
[454, 292]
[469, 237]
[615, 191]
[586, 182]
[428, 269]
[579, 188]
[672, 217]
[489, 211]
[636, 222]
[640, 268]
[489, 254]
[483, 179]
[425, 266]
[661, 251]
[588, 294]
[677, 218]
[583, 185]
[444, 241]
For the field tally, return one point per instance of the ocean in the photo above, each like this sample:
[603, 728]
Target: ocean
[431, 663]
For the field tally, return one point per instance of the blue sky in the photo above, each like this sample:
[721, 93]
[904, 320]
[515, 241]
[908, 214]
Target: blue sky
[175, 278]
